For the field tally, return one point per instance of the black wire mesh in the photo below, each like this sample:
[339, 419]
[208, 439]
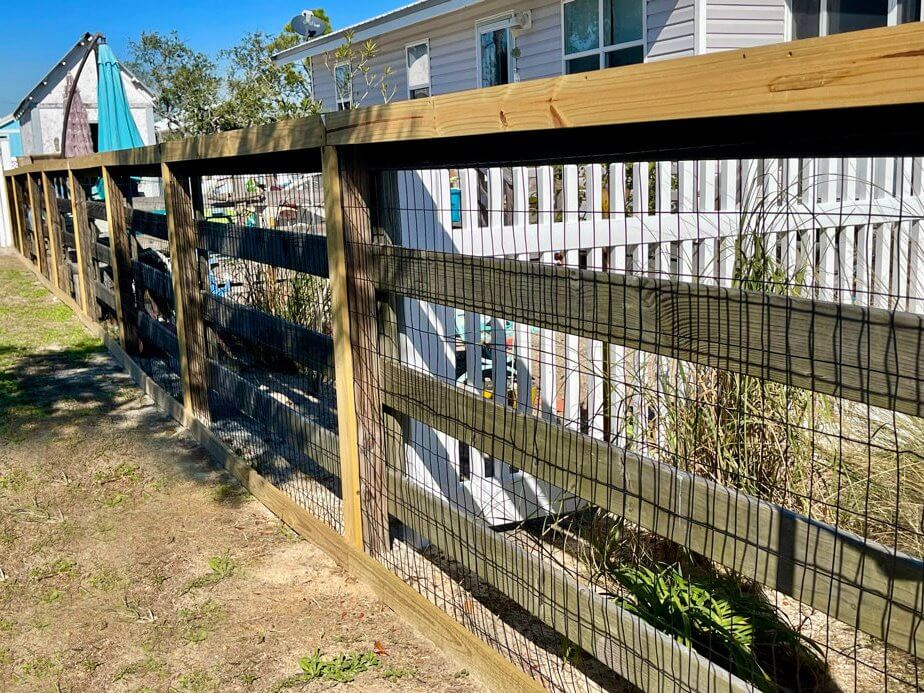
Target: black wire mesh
[565, 494]
[267, 308]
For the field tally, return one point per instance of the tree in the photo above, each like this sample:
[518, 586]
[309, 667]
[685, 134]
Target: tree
[356, 71]
[187, 82]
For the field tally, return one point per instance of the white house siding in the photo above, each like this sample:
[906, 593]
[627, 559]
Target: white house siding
[452, 45]
[734, 24]
[671, 29]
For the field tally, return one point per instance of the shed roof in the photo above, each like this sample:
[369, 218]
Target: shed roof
[60, 69]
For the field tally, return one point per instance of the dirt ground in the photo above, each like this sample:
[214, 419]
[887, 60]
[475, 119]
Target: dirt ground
[129, 563]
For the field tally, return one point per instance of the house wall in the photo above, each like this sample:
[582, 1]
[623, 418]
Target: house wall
[734, 24]
[453, 51]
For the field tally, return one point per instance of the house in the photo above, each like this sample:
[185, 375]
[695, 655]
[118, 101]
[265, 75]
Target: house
[441, 46]
[41, 112]
[10, 142]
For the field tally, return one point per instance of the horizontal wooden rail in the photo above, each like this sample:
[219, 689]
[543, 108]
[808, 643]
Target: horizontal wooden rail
[859, 582]
[101, 251]
[867, 355]
[149, 224]
[301, 344]
[631, 647]
[104, 294]
[318, 443]
[155, 281]
[69, 239]
[293, 250]
[855, 70]
[157, 333]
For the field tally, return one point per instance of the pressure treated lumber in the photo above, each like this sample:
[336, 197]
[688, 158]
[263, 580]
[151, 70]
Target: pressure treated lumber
[290, 249]
[184, 268]
[38, 230]
[84, 245]
[121, 263]
[861, 583]
[866, 355]
[631, 647]
[53, 221]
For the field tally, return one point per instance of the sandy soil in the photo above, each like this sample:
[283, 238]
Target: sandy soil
[129, 563]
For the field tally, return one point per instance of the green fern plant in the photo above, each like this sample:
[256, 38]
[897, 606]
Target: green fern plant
[720, 618]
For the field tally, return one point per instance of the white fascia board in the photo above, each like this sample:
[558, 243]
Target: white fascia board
[397, 19]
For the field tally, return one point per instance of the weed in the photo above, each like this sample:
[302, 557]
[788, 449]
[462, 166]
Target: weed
[39, 667]
[6, 657]
[229, 493]
[115, 500]
[6, 625]
[341, 668]
[15, 480]
[106, 580]
[149, 665]
[198, 622]
[220, 567]
[396, 673]
[61, 567]
[461, 674]
[90, 665]
[196, 682]
[51, 596]
[122, 471]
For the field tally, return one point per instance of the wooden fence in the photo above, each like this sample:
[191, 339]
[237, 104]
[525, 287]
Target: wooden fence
[524, 285]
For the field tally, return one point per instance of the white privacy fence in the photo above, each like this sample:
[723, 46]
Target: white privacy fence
[846, 230]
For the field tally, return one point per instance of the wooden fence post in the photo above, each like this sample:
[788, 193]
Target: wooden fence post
[35, 204]
[184, 263]
[16, 216]
[122, 270]
[83, 240]
[55, 238]
[347, 193]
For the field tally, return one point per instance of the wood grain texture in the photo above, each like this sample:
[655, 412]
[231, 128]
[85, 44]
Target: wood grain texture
[301, 344]
[356, 235]
[290, 249]
[36, 204]
[181, 227]
[866, 355]
[55, 241]
[18, 217]
[859, 582]
[156, 333]
[121, 262]
[153, 280]
[863, 68]
[650, 659]
[84, 244]
[347, 425]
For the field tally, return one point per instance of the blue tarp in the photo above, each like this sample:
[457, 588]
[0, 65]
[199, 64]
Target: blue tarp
[117, 128]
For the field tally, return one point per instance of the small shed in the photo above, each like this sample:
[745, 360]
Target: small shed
[41, 113]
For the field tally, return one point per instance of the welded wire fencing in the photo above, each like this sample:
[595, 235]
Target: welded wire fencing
[635, 422]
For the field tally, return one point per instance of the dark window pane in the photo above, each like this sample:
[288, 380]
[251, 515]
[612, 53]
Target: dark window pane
[805, 18]
[911, 10]
[852, 15]
[582, 26]
[494, 61]
[585, 64]
[421, 93]
[626, 56]
[622, 21]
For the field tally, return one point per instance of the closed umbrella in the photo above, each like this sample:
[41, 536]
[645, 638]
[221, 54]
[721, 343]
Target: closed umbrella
[117, 128]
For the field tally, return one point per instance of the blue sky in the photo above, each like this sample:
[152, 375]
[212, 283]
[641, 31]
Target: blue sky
[36, 33]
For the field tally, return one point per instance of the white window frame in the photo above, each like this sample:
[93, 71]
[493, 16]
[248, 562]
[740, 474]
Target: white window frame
[502, 21]
[601, 49]
[407, 70]
[337, 100]
[892, 17]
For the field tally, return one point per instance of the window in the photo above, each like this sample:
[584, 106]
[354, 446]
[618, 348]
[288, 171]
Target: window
[824, 17]
[343, 84]
[494, 53]
[602, 33]
[418, 70]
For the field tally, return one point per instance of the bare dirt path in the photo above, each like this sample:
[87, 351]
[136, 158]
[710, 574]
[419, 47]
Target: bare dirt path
[128, 562]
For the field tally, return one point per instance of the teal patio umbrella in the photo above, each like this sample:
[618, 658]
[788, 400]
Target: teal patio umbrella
[117, 128]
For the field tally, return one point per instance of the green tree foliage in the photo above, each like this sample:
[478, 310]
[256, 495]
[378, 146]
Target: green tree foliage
[197, 95]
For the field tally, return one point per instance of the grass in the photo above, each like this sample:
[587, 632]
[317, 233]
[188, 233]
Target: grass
[61, 567]
[341, 668]
[196, 623]
[220, 568]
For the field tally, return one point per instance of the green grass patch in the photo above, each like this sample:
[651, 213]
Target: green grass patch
[220, 568]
